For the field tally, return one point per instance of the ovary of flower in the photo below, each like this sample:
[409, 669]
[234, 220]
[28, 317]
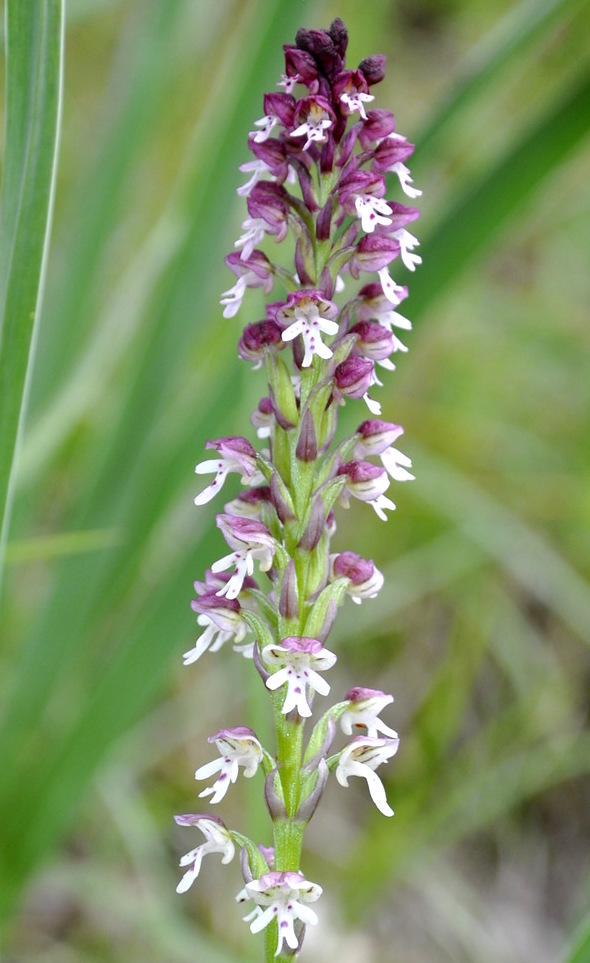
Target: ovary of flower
[237, 747]
[299, 662]
[259, 169]
[407, 243]
[405, 179]
[372, 211]
[396, 464]
[314, 127]
[218, 840]
[394, 293]
[284, 896]
[363, 711]
[310, 325]
[355, 101]
[267, 125]
[360, 758]
[255, 229]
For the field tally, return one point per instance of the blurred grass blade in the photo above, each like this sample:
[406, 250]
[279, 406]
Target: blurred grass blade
[519, 27]
[34, 58]
[476, 218]
[579, 951]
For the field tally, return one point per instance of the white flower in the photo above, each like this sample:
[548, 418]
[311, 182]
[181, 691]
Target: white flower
[355, 101]
[395, 293]
[360, 758]
[267, 125]
[259, 169]
[363, 710]
[407, 243]
[372, 211]
[237, 747]
[318, 121]
[310, 325]
[251, 542]
[299, 660]
[235, 454]
[233, 297]
[405, 180]
[283, 896]
[218, 840]
[255, 229]
[396, 464]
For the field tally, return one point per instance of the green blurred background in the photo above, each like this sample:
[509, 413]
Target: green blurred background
[482, 632]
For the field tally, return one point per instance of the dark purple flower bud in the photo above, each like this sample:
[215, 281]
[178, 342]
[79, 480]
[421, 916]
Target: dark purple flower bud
[390, 151]
[364, 480]
[307, 443]
[379, 124]
[281, 106]
[374, 341]
[256, 337]
[324, 221]
[320, 45]
[376, 436]
[339, 35]
[373, 68]
[347, 145]
[273, 153]
[373, 252]
[299, 63]
[289, 600]
[354, 377]
[268, 202]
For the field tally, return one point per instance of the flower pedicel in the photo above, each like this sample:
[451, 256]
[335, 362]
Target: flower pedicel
[320, 155]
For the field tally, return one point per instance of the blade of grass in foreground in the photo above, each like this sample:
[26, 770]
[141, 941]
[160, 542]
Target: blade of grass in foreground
[34, 57]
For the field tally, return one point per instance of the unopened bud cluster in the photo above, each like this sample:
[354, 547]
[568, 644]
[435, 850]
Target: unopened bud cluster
[320, 155]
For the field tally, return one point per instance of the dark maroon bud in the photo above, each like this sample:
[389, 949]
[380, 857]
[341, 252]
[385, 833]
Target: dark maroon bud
[339, 35]
[307, 444]
[301, 64]
[374, 341]
[373, 252]
[390, 151]
[379, 124]
[281, 106]
[315, 526]
[354, 377]
[307, 188]
[347, 146]
[256, 337]
[289, 600]
[373, 68]
[351, 566]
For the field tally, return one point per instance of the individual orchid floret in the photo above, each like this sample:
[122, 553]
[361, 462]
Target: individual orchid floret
[360, 758]
[251, 541]
[252, 272]
[363, 711]
[317, 116]
[365, 579]
[405, 179]
[368, 483]
[217, 840]
[237, 747]
[235, 454]
[309, 314]
[283, 897]
[374, 305]
[376, 438]
[372, 211]
[395, 293]
[299, 660]
[258, 169]
[222, 620]
[266, 126]
[407, 244]
[352, 90]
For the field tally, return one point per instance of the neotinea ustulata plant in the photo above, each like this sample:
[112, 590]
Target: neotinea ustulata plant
[320, 155]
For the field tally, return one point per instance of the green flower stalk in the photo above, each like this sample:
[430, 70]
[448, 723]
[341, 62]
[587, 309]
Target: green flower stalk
[321, 152]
